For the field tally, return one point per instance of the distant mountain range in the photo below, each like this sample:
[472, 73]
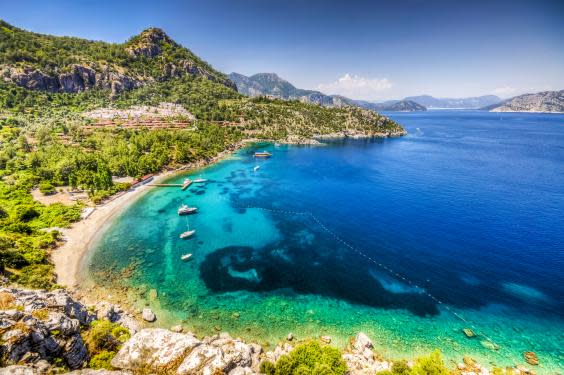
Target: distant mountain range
[270, 84]
[455, 103]
[546, 101]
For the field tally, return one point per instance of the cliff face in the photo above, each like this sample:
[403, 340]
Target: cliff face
[547, 101]
[61, 64]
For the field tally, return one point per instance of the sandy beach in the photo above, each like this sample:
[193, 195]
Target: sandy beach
[78, 238]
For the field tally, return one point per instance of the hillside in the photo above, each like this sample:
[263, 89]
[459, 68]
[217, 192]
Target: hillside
[455, 103]
[81, 116]
[271, 85]
[66, 64]
[546, 101]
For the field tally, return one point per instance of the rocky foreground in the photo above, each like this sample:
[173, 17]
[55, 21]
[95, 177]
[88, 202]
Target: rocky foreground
[42, 332]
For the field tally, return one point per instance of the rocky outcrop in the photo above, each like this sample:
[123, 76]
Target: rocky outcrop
[162, 350]
[360, 358]
[149, 43]
[78, 79]
[116, 314]
[41, 326]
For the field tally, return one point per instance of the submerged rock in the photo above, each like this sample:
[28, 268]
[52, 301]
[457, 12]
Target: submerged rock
[468, 332]
[531, 358]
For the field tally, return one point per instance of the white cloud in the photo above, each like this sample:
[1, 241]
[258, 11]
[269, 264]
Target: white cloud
[357, 87]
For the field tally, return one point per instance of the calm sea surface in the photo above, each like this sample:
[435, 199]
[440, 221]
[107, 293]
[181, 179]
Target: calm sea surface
[458, 225]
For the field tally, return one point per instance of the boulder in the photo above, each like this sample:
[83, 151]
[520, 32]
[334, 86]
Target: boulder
[177, 329]
[148, 315]
[362, 342]
[155, 349]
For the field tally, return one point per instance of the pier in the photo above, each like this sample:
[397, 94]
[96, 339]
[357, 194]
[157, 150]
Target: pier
[166, 185]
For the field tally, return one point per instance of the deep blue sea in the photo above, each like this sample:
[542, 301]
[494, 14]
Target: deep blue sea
[458, 225]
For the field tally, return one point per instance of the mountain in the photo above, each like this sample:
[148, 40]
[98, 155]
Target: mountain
[546, 101]
[458, 103]
[404, 106]
[271, 85]
[65, 64]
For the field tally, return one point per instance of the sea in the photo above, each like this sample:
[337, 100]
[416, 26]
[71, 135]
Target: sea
[457, 226]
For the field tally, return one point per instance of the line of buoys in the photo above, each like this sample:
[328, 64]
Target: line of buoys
[489, 341]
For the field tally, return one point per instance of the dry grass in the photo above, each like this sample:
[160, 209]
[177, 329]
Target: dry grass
[7, 301]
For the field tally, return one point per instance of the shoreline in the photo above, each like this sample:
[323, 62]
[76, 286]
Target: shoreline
[78, 238]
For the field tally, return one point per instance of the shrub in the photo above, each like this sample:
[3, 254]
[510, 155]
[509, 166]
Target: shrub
[308, 358]
[26, 213]
[41, 314]
[430, 365]
[46, 187]
[105, 336]
[102, 360]
[37, 276]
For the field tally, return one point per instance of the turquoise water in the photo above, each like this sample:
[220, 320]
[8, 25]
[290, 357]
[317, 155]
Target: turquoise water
[458, 225]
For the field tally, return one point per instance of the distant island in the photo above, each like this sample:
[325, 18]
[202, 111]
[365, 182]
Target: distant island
[546, 101]
[271, 85]
[477, 102]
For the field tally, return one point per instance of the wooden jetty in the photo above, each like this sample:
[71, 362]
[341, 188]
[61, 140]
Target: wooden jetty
[166, 185]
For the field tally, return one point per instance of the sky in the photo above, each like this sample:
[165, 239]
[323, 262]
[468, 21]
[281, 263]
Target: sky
[371, 50]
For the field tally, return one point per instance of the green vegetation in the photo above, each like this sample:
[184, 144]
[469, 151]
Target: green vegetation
[426, 365]
[308, 358]
[45, 142]
[55, 55]
[103, 341]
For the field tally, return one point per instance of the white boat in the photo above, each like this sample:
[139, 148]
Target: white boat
[187, 234]
[186, 257]
[185, 210]
[256, 168]
[200, 180]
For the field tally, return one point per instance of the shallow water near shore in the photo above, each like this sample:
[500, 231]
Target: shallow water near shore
[457, 225]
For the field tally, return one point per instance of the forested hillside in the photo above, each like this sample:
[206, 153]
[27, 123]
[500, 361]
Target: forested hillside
[48, 140]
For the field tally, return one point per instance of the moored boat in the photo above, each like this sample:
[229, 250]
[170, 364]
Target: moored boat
[262, 154]
[187, 182]
[200, 180]
[186, 210]
[186, 257]
[187, 234]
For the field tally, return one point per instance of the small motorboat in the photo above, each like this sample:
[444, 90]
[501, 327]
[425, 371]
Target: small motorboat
[200, 180]
[185, 210]
[187, 234]
[262, 154]
[186, 257]
[256, 168]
